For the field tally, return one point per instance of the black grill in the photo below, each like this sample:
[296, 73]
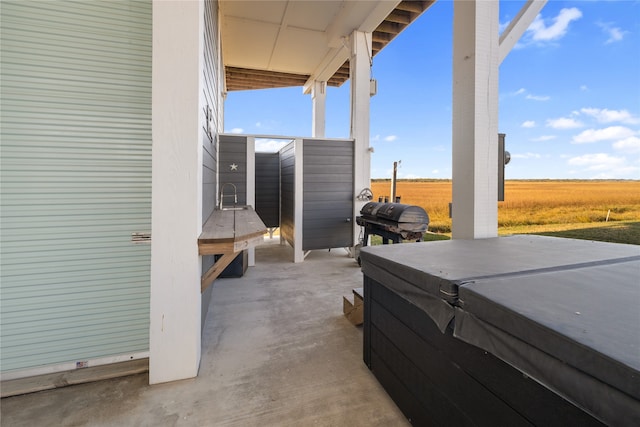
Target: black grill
[393, 221]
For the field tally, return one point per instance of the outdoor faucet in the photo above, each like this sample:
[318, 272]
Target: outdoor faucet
[235, 193]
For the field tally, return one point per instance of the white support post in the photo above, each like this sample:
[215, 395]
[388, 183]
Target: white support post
[360, 76]
[319, 100]
[475, 119]
[251, 189]
[177, 123]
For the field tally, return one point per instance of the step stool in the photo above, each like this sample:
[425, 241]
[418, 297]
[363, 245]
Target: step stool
[354, 311]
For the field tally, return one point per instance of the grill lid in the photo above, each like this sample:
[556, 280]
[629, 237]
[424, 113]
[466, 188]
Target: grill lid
[403, 217]
[403, 213]
[370, 210]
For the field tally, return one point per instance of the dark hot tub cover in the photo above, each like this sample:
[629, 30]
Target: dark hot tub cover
[576, 331]
[435, 270]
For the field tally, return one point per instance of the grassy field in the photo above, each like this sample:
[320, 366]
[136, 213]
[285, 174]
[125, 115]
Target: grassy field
[595, 210]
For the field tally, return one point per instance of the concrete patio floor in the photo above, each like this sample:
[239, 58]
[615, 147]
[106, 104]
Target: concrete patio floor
[276, 351]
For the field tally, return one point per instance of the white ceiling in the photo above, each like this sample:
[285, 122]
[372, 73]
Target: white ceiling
[295, 36]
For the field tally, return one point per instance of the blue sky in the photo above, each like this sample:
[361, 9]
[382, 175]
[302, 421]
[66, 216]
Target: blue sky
[569, 96]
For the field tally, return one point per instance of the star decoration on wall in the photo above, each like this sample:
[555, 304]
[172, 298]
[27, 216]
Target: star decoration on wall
[234, 167]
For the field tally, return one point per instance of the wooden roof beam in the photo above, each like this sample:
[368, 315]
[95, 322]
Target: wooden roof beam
[400, 17]
[256, 72]
[248, 86]
[243, 78]
[389, 27]
[414, 6]
[381, 37]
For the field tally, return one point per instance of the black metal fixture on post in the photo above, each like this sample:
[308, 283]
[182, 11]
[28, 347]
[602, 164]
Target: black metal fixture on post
[393, 181]
[503, 159]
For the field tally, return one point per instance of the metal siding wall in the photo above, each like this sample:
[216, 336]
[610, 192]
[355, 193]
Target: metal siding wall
[287, 186]
[268, 188]
[212, 95]
[328, 194]
[233, 150]
[76, 181]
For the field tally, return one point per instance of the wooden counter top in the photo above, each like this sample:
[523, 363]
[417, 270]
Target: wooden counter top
[227, 232]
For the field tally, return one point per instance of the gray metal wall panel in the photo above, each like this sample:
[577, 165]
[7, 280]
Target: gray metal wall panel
[233, 151]
[287, 194]
[328, 194]
[212, 88]
[268, 188]
[76, 181]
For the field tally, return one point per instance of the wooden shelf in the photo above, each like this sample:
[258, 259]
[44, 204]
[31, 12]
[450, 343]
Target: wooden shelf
[227, 232]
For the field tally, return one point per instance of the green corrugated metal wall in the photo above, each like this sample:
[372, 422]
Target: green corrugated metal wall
[75, 180]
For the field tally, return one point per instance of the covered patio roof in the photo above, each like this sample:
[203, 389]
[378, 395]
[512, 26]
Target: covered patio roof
[283, 43]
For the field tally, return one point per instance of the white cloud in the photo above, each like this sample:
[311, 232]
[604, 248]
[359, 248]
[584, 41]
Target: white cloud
[390, 138]
[606, 134]
[270, 145]
[584, 88]
[564, 123]
[258, 124]
[597, 162]
[523, 91]
[527, 155]
[376, 138]
[604, 166]
[237, 130]
[543, 138]
[528, 124]
[614, 34]
[605, 115]
[628, 172]
[538, 97]
[408, 176]
[435, 171]
[539, 31]
[628, 145]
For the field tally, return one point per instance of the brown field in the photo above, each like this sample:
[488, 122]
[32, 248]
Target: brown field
[533, 204]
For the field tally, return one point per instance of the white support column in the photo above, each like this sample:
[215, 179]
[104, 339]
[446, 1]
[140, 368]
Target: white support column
[319, 100]
[251, 189]
[475, 119]
[177, 123]
[360, 76]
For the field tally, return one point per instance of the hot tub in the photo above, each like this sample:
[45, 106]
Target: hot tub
[521, 330]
